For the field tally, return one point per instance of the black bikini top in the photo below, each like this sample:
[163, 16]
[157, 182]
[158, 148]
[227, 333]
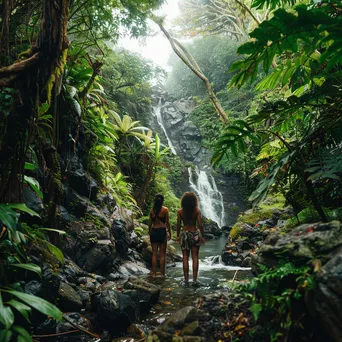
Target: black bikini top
[162, 219]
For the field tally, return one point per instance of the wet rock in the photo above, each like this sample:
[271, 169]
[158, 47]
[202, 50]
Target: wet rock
[126, 216]
[71, 270]
[90, 286]
[32, 200]
[129, 268]
[83, 183]
[112, 306]
[121, 236]
[34, 288]
[226, 229]
[147, 293]
[211, 227]
[208, 236]
[302, 244]
[244, 245]
[76, 203]
[246, 262]
[99, 258]
[69, 299]
[327, 300]
[47, 327]
[230, 258]
[64, 216]
[268, 223]
[51, 284]
[85, 296]
[100, 279]
[189, 321]
[85, 280]
[94, 213]
[72, 319]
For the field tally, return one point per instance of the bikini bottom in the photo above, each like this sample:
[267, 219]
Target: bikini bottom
[158, 235]
[190, 239]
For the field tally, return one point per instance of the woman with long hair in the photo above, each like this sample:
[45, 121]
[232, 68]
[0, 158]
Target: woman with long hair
[191, 237]
[158, 223]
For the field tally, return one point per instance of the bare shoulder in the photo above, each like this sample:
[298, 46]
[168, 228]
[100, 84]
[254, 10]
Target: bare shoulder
[165, 209]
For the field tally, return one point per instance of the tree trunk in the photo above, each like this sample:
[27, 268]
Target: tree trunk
[33, 81]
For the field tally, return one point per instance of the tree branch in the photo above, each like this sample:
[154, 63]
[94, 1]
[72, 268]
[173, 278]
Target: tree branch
[189, 61]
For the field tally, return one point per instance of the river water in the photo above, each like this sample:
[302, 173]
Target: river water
[213, 276]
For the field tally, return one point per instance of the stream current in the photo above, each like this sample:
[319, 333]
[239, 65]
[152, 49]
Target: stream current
[213, 276]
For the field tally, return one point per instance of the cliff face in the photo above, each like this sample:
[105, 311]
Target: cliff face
[172, 122]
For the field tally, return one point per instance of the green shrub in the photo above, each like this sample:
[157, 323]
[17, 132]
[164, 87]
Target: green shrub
[236, 231]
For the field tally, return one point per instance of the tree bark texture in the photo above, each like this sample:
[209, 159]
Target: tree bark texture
[30, 79]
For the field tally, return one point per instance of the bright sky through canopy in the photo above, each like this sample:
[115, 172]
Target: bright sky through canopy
[156, 48]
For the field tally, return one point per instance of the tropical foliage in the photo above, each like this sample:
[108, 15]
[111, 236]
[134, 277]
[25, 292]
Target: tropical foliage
[300, 130]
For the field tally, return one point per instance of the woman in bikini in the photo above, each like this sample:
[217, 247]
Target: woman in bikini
[159, 221]
[190, 238]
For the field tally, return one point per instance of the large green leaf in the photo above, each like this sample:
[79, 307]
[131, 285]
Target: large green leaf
[8, 217]
[5, 335]
[54, 250]
[34, 184]
[30, 267]
[39, 304]
[6, 314]
[24, 336]
[21, 307]
[23, 207]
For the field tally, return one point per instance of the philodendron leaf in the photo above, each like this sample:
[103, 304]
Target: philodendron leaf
[24, 309]
[5, 335]
[23, 207]
[29, 267]
[6, 315]
[38, 303]
[23, 334]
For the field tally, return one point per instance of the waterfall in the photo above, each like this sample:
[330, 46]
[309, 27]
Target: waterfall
[157, 113]
[210, 198]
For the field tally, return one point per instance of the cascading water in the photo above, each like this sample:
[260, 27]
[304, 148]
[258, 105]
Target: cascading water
[157, 113]
[210, 198]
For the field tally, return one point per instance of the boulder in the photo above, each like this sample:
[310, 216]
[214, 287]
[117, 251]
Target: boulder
[130, 268]
[99, 259]
[302, 244]
[83, 183]
[69, 299]
[32, 200]
[327, 299]
[71, 271]
[189, 323]
[122, 238]
[211, 227]
[148, 294]
[34, 288]
[68, 324]
[115, 311]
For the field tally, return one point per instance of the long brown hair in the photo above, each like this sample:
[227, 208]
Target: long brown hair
[158, 203]
[189, 204]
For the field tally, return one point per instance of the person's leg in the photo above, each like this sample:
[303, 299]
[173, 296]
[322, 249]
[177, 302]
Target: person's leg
[186, 264]
[162, 251]
[154, 258]
[194, 254]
